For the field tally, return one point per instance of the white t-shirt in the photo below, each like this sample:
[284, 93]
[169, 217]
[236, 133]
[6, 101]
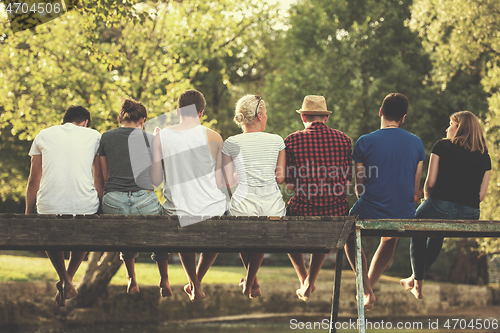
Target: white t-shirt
[67, 184]
[255, 156]
[190, 186]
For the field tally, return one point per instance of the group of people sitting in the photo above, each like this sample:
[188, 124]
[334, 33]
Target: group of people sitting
[75, 170]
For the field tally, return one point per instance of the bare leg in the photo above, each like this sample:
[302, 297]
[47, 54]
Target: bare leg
[133, 287]
[256, 292]
[381, 258]
[253, 265]
[350, 250]
[307, 286]
[298, 263]
[417, 289]
[206, 260]
[65, 288]
[194, 291]
[164, 285]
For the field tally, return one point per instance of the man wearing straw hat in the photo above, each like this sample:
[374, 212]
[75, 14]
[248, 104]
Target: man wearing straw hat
[388, 165]
[319, 168]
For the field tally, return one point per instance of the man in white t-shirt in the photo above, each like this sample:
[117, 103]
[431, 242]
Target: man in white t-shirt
[192, 158]
[65, 178]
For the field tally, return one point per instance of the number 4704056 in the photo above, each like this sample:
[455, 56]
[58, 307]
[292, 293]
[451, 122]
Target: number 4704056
[39, 7]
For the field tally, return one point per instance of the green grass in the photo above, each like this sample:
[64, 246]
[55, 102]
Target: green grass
[20, 268]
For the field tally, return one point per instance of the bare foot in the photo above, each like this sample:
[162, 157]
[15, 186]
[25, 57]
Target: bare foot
[60, 294]
[165, 290]
[407, 283]
[194, 295]
[305, 292]
[255, 290]
[242, 283]
[133, 287]
[69, 290]
[369, 299]
[417, 289]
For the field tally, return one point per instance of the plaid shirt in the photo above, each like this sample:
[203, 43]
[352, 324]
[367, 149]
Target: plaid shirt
[318, 161]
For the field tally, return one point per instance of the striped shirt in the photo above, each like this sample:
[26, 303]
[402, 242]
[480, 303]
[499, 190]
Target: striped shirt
[254, 156]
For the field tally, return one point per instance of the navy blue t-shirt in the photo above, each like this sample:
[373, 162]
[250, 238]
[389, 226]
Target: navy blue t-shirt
[390, 157]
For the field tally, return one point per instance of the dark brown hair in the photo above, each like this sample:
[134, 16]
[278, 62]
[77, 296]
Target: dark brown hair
[132, 111]
[77, 114]
[190, 97]
[394, 106]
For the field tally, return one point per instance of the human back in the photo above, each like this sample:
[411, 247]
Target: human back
[67, 184]
[463, 162]
[390, 157]
[190, 182]
[255, 156]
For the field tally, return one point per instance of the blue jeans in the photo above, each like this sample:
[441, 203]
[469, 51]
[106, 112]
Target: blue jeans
[424, 251]
[144, 202]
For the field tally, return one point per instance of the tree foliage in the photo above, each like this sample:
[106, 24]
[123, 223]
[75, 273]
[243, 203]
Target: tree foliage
[95, 56]
[463, 36]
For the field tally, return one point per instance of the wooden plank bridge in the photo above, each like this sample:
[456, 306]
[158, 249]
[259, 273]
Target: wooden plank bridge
[307, 234]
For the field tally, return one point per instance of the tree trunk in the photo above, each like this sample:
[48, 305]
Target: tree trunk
[470, 266]
[101, 268]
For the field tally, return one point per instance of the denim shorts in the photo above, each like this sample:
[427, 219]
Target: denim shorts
[143, 202]
[440, 209]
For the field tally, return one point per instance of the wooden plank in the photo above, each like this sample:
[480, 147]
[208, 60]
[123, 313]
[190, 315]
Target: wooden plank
[163, 233]
[430, 228]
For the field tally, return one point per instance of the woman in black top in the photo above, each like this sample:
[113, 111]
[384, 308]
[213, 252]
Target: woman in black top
[457, 181]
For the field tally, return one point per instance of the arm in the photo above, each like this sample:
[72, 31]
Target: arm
[229, 175]
[156, 166]
[215, 145]
[484, 185]
[418, 193]
[280, 167]
[359, 168]
[432, 174]
[97, 171]
[219, 177]
[104, 167]
[33, 183]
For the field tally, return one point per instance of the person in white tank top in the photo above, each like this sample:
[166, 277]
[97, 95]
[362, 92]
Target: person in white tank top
[259, 161]
[192, 160]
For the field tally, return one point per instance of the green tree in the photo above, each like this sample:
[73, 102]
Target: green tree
[178, 46]
[354, 53]
[98, 54]
[462, 36]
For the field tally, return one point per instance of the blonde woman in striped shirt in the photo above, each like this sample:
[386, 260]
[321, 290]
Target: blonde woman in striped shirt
[256, 161]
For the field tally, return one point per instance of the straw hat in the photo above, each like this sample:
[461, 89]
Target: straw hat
[314, 105]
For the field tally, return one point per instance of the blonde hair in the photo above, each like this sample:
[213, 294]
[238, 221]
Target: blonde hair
[247, 108]
[469, 132]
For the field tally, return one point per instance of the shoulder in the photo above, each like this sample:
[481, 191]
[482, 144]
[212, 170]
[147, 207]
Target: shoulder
[411, 135]
[272, 136]
[443, 144]
[339, 134]
[213, 136]
[294, 136]
[91, 132]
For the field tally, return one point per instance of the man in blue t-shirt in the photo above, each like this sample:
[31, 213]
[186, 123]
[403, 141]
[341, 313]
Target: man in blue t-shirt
[388, 165]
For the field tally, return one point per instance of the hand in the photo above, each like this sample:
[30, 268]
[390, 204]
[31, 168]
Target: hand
[418, 195]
